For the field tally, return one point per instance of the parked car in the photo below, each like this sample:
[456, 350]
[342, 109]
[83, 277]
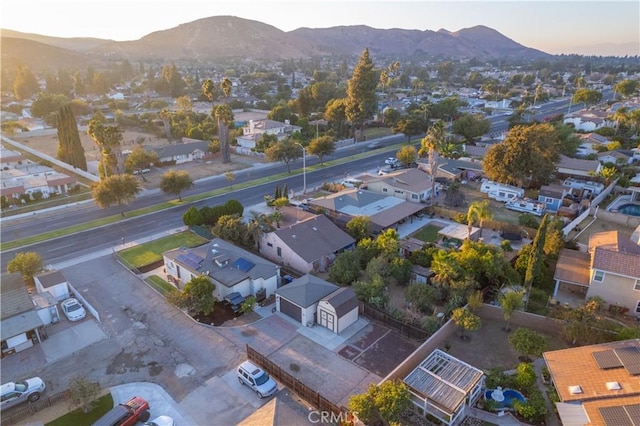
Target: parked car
[73, 309]
[160, 421]
[128, 414]
[14, 393]
[257, 379]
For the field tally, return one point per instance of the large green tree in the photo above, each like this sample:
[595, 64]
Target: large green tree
[175, 182]
[27, 264]
[321, 147]
[626, 87]
[528, 342]
[139, 158]
[109, 139]
[116, 189]
[70, 148]
[196, 296]
[478, 211]
[285, 151]
[224, 116]
[25, 84]
[383, 404]
[588, 96]
[361, 102]
[526, 158]
[359, 227]
[471, 126]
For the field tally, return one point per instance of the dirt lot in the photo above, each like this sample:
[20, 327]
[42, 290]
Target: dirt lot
[46, 141]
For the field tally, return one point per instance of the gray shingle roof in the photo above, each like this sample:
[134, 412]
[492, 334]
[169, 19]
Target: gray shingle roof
[14, 298]
[51, 278]
[306, 290]
[343, 300]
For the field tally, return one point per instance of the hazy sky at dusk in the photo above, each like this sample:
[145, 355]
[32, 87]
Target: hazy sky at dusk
[584, 27]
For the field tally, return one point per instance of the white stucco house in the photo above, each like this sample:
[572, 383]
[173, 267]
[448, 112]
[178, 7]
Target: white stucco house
[230, 268]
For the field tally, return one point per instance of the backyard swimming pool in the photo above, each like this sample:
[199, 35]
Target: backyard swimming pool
[504, 398]
[630, 209]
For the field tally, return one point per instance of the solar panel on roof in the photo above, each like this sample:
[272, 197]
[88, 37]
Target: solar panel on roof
[243, 264]
[195, 257]
[634, 413]
[630, 357]
[607, 359]
[615, 416]
[182, 257]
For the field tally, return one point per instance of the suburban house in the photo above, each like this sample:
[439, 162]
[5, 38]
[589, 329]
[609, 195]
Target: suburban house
[253, 131]
[230, 268]
[311, 300]
[453, 169]
[598, 385]
[384, 211]
[443, 386]
[618, 156]
[410, 184]
[591, 143]
[476, 152]
[610, 270]
[308, 245]
[182, 152]
[589, 120]
[31, 178]
[54, 283]
[10, 159]
[19, 321]
[577, 167]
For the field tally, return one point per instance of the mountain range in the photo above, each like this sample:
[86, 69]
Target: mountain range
[227, 37]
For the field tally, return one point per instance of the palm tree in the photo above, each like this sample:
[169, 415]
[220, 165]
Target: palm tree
[478, 210]
[224, 116]
[431, 145]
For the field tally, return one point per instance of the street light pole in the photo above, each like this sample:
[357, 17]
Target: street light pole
[304, 168]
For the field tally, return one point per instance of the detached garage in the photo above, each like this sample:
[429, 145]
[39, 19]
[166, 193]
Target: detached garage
[299, 299]
[338, 310]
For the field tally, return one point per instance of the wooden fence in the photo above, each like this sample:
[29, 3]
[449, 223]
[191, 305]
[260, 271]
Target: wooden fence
[294, 384]
[409, 330]
[30, 409]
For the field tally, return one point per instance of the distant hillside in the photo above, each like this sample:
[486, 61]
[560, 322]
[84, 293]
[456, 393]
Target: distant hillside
[221, 37]
[40, 56]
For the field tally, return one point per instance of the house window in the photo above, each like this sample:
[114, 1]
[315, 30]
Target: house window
[637, 285]
[598, 276]
[384, 189]
[414, 196]
[549, 200]
[279, 252]
[269, 245]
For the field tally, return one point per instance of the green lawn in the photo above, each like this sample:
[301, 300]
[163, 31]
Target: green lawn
[78, 418]
[160, 285]
[428, 234]
[145, 254]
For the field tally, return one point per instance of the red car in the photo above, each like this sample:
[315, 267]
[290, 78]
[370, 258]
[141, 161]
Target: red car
[128, 414]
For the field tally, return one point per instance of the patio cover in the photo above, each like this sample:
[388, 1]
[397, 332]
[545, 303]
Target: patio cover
[459, 232]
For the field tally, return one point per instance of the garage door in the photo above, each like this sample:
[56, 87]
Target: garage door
[290, 309]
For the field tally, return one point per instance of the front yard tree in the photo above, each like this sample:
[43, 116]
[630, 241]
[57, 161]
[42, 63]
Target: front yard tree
[139, 158]
[196, 296]
[528, 342]
[175, 182]
[381, 405]
[28, 264]
[359, 227]
[466, 320]
[510, 302]
[407, 155]
[588, 96]
[321, 147]
[526, 158]
[409, 126]
[192, 217]
[230, 228]
[70, 148]
[361, 102]
[116, 189]
[471, 126]
[109, 139]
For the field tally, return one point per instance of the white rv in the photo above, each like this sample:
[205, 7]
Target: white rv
[526, 205]
[499, 191]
